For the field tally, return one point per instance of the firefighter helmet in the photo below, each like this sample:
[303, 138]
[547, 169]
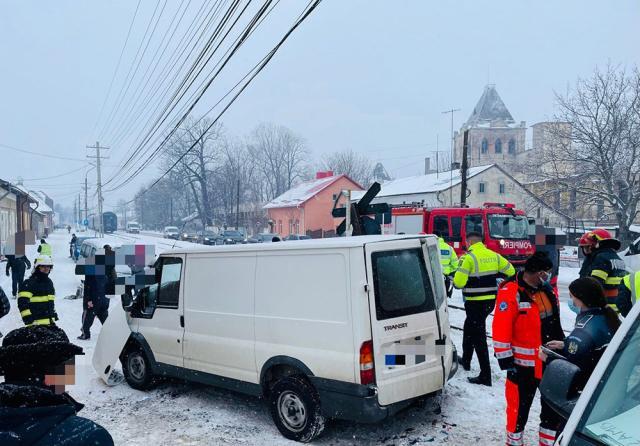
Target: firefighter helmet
[596, 237]
[43, 261]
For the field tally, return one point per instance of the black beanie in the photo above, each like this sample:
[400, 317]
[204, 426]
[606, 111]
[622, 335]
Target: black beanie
[539, 261]
[589, 291]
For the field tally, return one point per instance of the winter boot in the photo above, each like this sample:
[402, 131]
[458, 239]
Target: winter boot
[466, 365]
[83, 337]
[481, 379]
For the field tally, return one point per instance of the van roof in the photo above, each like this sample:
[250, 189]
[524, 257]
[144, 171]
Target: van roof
[335, 242]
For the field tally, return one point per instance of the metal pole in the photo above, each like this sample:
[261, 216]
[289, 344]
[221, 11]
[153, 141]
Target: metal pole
[86, 210]
[452, 111]
[238, 206]
[98, 158]
[347, 229]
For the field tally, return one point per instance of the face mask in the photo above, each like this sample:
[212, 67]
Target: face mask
[546, 281]
[572, 307]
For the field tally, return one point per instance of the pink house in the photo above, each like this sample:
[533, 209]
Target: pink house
[306, 208]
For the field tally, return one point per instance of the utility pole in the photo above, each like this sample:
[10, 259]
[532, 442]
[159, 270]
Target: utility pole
[452, 111]
[75, 211]
[463, 169]
[238, 206]
[98, 159]
[86, 209]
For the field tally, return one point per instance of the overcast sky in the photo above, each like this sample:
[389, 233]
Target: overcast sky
[372, 76]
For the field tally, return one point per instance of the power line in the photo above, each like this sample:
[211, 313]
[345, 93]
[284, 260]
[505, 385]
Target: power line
[113, 78]
[53, 176]
[45, 155]
[310, 8]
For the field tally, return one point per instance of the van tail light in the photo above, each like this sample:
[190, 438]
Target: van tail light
[367, 369]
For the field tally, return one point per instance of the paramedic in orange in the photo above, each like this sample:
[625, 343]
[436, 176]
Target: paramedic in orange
[526, 316]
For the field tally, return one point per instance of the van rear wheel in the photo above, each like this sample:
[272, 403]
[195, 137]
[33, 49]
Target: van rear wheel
[295, 409]
[137, 369]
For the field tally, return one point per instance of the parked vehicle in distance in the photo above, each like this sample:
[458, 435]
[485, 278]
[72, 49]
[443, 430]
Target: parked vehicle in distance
[171, 232]
[230, 237]
[189, 236]
[207, 237]
[133, 227]
[606, 412]
[264, 238]
[375, 313]
[297, 237]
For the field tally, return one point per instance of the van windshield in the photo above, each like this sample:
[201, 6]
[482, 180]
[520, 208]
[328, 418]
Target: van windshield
[401, 283]
[615, 406]
[503, 226]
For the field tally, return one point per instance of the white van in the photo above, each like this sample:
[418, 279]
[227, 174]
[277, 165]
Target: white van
[353, 328]
[133, 227]
[607, 411]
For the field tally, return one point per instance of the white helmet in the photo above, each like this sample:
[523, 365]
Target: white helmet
[43, 261]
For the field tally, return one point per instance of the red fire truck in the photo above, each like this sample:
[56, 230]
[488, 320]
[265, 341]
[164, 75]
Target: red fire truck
[505, 229]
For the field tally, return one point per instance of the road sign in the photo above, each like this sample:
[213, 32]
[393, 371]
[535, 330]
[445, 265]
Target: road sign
[85, 222]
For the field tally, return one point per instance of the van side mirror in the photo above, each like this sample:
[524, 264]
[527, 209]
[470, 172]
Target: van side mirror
[557, 387]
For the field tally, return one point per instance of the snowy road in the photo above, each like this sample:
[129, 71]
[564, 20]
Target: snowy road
[176, 413]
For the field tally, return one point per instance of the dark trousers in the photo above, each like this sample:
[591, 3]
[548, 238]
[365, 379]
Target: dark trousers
[520, 391]
[474, 337]
[448, 284]
[17, 277]
[89, 315]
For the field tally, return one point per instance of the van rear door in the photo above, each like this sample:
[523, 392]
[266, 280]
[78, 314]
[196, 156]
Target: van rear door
[404, 321]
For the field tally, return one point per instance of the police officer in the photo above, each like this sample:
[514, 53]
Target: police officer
[477, 277]
[448, 261]
[602, 262]
[628, 293]
[596, 324]
[527, 315]
[18, 265]
[45, 248]
[37, 295]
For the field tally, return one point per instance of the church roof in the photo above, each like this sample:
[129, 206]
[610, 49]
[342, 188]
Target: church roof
[489, 108]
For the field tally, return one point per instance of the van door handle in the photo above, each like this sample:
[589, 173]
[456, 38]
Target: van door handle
[182, 321]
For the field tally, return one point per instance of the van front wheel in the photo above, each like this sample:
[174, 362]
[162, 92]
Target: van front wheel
[295, 409]
[137, 369]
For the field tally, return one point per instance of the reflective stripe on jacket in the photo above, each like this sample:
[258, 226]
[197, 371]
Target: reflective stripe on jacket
[448, 257]
[628, 293]
[36, 300]
[609, 269]
[518, 326]
[478, 273]
[45, 249]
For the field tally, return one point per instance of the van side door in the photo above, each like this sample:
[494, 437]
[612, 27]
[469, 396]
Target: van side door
[404, 321]
[162, 317]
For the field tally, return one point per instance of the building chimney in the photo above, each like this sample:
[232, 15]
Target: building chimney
[427, 166]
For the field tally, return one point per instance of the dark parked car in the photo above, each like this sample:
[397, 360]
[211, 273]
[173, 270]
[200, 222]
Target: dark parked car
[297, 237]
[207, 237]
[189, 237]
[264, 238]
[230, 237]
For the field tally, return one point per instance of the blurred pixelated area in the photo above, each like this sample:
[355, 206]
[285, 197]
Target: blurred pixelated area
[138, 258]
[17, 243]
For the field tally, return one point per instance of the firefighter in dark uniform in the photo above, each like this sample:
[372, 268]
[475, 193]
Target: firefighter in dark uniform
[37, 295]
[596, 324]
[527, 316]
[602, 262]
[628, 293]
[477, 277]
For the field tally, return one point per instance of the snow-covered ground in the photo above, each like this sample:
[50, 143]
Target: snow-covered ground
[177, 413]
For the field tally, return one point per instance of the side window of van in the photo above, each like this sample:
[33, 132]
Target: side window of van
[169, 289]
[441, 226]
[401, 282]
[473, 223]
[456, 230]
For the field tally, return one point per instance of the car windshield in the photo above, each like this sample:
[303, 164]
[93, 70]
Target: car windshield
[232, 234]
[503, 226]
[613, 412]
[171, 229]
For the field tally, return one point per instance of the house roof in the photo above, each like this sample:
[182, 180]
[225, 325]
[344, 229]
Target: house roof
[489, 108]
[299, 194]
[421, 184]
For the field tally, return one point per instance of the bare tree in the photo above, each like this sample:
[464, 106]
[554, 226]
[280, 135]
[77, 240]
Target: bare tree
[596, 155]
[355, 165]
[194, 164]
[279, 155]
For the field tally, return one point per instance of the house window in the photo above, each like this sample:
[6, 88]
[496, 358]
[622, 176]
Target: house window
[279, 226]
[484, 148]
[512, 146]
[334, 196]
[502, 188]
[482, 188]
[498, 146]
